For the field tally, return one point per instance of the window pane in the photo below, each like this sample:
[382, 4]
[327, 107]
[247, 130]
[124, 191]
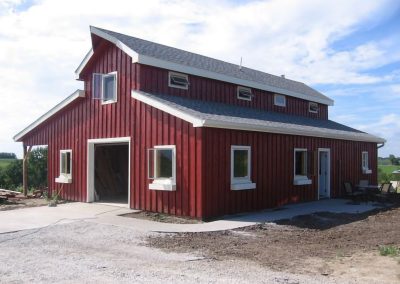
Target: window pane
[178, 80]
[164, 163]
[300, 163]
[240, 163]
[109, 88]
[96, 86]
[68, 162]
[63, 165]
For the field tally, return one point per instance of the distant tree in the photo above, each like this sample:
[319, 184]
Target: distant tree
[393, 159]
[11, 175]
[4, 155]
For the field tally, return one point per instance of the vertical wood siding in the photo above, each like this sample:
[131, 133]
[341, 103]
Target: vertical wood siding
[273, 168]
[155, 80]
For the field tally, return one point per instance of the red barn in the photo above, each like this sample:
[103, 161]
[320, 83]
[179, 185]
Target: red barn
[166, 130]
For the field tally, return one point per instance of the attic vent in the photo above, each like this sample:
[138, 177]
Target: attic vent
[178, 80]
[244, 93]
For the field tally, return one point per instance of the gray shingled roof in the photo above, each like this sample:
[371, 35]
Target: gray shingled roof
[239, 116]
[190, 59]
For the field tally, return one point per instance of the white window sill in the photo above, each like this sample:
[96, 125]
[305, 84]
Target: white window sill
[108, 102]
[166, 185]
[63, 179]
[302, 181]
[367, 171]
[243, 186]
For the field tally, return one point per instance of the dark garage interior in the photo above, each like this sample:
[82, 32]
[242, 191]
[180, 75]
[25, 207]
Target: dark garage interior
[111, 173]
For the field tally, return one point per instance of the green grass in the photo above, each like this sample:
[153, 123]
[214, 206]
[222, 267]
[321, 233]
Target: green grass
[5, 162]
[388, 169]
[389, 251]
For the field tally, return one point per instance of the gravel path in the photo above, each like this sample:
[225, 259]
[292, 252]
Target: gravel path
[86, 252]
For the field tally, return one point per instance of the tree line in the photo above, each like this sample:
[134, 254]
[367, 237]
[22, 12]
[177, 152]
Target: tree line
[11, 175]
[4, 155]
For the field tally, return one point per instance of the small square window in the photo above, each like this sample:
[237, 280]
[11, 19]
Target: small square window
[65, 167]
[244, 94]
[104, 87]
[161, 167]
[279, 100]
[313, 107]
[178, 80]
[241, 168]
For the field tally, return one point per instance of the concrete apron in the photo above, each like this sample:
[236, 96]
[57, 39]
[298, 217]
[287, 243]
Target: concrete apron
[38, 217]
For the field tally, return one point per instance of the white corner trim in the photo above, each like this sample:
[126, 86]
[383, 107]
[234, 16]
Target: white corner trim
[83, 63]
[51, 112]
[166, 108]
[152, 61]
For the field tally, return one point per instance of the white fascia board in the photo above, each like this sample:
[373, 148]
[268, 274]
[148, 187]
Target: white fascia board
[115, 41]
[147, 60]
[54, 110]
[83, 63]
[168, 109]
[325, 133]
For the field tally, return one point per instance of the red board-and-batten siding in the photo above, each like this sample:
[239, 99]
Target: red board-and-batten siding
[203, 154]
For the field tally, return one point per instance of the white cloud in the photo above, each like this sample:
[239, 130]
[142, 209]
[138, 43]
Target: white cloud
[41, 45]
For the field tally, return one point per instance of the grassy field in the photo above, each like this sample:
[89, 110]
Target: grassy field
[388, 169]
[5, 162]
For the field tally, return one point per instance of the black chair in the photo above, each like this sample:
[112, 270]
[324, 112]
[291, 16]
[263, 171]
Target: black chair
[351, 192]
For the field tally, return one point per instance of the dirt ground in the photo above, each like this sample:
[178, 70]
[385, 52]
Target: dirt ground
[335, 245]
[159, 217]
[22, 202]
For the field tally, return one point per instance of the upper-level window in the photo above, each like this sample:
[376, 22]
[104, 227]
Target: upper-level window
[178, 80]
[105, 87]
[279, 100]
[244, 93]
[313, 107]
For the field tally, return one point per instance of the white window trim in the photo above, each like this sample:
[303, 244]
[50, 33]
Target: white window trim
[167, 184]
[170, 73]
[365, 169]
[300, 179]
[65, 178]
[244, 88]
[245, 182]
[309, 107]
[103, 102]
[277, 103]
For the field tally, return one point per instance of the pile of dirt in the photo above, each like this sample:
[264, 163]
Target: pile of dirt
[160, 217]
[21, 201]
[291, 245]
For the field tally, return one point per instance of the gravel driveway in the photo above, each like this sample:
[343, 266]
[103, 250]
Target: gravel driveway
[87, 252]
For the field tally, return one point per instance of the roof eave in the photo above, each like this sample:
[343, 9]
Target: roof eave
[77, 94]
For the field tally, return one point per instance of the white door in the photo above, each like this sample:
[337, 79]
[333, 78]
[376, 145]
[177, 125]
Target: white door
[323, 174]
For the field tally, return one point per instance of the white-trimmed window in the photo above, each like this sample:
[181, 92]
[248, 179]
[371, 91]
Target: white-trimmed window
[364, 163]
[279, 100]
[178, 80]
[313, 107]
[241, 168]
[65, 167]
[104, 87]
[162, 167]
[244, 93]
[301, 167]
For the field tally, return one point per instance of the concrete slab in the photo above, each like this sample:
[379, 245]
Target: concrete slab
[37, 217]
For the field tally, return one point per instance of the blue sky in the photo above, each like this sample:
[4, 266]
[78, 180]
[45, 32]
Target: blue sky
[346, 49]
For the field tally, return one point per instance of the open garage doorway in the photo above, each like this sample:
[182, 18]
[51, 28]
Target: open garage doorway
[109, 171]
